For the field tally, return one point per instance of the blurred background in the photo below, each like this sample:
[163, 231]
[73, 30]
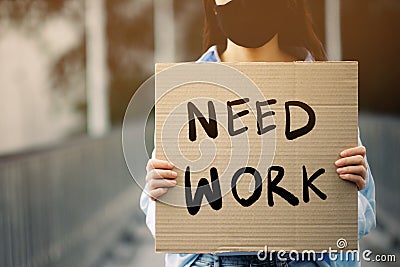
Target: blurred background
[67, 72]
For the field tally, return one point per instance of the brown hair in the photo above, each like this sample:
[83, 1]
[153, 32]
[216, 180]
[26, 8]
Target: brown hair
[298, 30]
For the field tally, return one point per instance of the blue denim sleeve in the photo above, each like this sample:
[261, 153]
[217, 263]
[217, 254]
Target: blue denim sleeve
[366, 204]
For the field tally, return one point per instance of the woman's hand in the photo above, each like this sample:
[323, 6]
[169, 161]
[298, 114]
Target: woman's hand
[352, 166]
[159, 177]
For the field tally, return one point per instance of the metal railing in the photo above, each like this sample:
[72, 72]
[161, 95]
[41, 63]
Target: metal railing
[60, 206]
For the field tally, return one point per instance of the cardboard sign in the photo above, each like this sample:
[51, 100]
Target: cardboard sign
[254, 146]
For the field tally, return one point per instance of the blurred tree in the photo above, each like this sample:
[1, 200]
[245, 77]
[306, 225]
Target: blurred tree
[32, 15]
[189, 19]
[130, 50]
[131, 45]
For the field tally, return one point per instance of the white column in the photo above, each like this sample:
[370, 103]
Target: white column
[333, 30]
[98, 122]
[164, 31]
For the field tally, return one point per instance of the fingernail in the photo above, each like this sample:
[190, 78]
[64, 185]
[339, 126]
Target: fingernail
[174, 174]
[340, 170]
[170, 165]
[342, 176]
[342, 154]
[173, 182]
[338, 162]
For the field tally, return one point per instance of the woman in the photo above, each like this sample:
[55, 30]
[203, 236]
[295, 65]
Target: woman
[264, 31]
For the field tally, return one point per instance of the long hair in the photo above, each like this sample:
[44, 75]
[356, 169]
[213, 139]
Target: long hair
[297, 31]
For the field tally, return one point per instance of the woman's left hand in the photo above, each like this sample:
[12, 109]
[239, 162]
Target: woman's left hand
[352, 167]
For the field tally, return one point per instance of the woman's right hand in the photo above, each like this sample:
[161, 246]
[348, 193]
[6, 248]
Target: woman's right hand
[159, 177]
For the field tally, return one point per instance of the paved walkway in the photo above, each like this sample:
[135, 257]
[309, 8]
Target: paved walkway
[134, 247]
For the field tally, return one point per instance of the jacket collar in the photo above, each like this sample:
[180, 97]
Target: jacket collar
[211, 55]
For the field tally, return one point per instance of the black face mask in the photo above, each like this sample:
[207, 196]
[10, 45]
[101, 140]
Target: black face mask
[250, 23]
